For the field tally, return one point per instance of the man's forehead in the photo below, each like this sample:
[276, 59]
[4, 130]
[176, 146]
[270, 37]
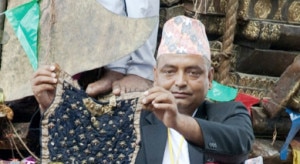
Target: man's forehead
[181, 59]
[181, 56]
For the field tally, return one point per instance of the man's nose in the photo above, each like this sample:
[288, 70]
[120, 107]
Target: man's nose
[181, 80]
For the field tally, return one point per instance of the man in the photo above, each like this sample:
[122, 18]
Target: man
[178, 125]
[123, 75]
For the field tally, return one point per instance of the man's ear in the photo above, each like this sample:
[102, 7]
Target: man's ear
[211, 76]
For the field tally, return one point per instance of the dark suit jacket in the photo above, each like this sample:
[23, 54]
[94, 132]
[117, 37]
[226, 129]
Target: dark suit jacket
[226, 128]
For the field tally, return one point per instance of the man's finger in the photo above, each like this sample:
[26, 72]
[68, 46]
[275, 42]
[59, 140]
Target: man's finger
[100, 86]
[116, 88]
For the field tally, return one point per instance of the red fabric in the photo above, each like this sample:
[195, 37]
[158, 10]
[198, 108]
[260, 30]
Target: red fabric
[247, 100]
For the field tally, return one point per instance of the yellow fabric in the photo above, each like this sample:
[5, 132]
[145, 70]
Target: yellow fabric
[295, 145]
[296, 156]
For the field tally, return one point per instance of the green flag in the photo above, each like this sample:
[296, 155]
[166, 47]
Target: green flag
[221, 92]
[25, 20]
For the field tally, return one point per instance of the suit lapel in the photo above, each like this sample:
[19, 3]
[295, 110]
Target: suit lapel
[195, 156]
[201, 112]
[155, 138]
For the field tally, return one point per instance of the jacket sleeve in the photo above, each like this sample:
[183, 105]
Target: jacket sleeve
[227, 132]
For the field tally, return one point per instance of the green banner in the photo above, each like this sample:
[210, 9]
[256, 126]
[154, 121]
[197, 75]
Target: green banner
[221, 92]
[25, 20]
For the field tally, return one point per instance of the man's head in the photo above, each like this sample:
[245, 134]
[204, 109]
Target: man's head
[183, 62]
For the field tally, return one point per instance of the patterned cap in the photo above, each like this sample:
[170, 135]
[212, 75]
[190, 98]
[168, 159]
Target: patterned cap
[184, 35]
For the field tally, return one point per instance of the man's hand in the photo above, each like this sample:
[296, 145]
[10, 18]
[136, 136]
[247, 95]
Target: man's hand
[118, 83]
[163, 105]
[103, 85]
[131, 83]
[43, 85]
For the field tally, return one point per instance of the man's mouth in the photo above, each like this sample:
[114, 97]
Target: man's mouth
[181, 95]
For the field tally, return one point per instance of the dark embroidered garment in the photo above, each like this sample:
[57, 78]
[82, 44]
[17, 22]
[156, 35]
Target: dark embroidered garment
[80, 129]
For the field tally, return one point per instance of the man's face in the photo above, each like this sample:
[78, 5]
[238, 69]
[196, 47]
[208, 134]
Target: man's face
[188, 77]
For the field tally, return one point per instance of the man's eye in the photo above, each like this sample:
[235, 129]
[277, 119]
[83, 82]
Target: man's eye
[194, 73]
[168, 71]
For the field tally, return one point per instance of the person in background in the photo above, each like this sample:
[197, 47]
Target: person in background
[136, 68]
[178, 124]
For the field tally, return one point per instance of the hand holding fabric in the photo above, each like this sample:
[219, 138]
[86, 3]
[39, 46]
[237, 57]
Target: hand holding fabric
[43, 85]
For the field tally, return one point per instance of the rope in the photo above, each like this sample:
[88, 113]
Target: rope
[228, 37]
[197, 9]
[22, 142]
[15, 145]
